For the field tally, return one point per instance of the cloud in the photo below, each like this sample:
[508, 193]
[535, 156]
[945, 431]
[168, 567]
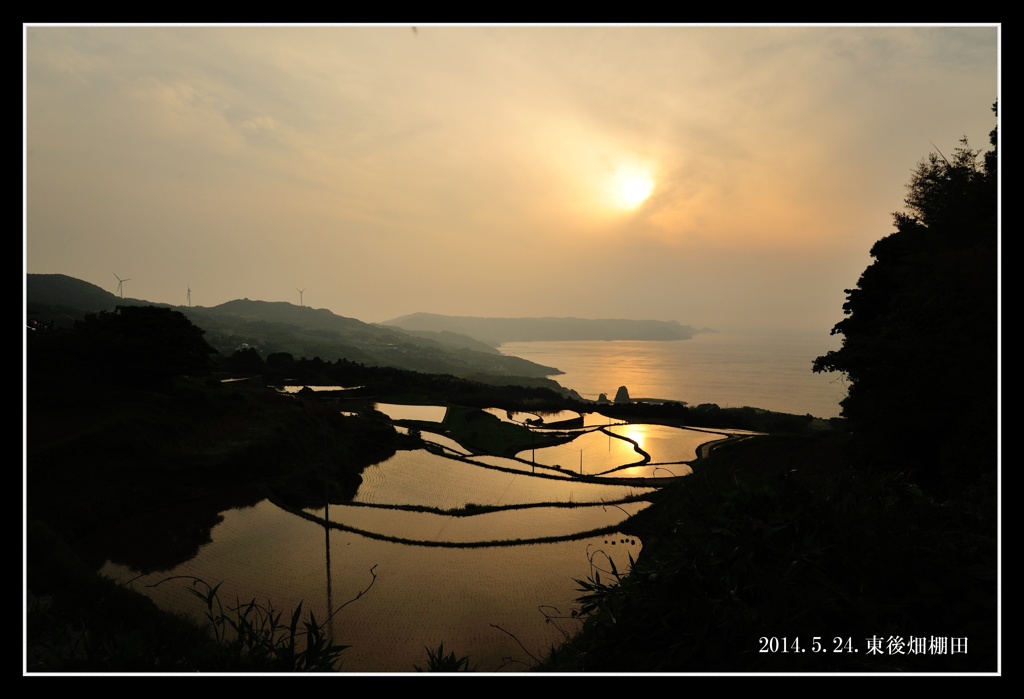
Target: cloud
[392, 171]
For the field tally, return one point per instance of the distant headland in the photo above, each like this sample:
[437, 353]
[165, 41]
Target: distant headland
[497, 331]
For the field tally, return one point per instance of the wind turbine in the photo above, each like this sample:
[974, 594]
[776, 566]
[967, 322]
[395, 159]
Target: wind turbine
[190, 297]
[300, 296]
[120, 285]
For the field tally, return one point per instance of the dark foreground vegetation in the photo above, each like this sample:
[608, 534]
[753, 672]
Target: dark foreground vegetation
[774, 541]
[870, 542]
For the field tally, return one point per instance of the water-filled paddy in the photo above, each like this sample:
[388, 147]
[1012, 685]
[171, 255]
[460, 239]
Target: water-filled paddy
[666, 444]
[590, 453]
[446, 442]
[482, 583]
[421, 478]
[504, 526]
[422, 596]
[424, 413]
[296, 389]
[519, 465]
[627, 450]
[555, 420]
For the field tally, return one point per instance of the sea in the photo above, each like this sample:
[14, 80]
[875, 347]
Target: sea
[760, 369]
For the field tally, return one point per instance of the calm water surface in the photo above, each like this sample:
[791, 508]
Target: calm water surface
[762, 370]
[470, 599]
[482, 584]
[425, 576]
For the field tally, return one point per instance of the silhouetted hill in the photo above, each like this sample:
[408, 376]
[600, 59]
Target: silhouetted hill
[497, 331]
[64, 299]
[272, 327]
[60, 289]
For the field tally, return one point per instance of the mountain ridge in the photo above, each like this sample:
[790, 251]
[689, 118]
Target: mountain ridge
[278, 326]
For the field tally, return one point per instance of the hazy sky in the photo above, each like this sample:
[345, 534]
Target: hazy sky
[490, 170]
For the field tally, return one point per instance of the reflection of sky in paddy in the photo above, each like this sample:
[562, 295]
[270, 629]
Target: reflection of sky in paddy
[560, 416]
[426, 413]
[420, 478]
[296, 389]
[599, 420]
[424, 595]
[598, 452]
[507, 525]
[443, 441]
[421, 596]
[664, 443]
[518, 418]
[516, 465]
[652, 471]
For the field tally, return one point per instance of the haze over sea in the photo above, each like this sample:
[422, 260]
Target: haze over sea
[761, 369]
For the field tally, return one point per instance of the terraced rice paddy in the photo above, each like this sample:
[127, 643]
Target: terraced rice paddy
[477, 552]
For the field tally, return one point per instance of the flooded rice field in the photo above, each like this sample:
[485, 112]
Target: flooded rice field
[478, 552]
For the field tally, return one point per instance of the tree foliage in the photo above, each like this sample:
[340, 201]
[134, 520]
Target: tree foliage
[921, 327]
[245, 361]
[142, 343]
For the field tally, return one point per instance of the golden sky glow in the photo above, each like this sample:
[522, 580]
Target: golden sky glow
[722, 176]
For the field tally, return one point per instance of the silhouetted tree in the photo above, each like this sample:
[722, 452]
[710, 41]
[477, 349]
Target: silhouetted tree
[142, 343]
[245, 361]
[279, 367]
[920, 334]
[280, 360]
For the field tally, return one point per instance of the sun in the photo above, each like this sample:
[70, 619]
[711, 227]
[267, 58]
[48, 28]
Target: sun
[632, 188]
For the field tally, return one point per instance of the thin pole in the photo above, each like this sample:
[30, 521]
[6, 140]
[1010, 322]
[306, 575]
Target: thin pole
[327, 533]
